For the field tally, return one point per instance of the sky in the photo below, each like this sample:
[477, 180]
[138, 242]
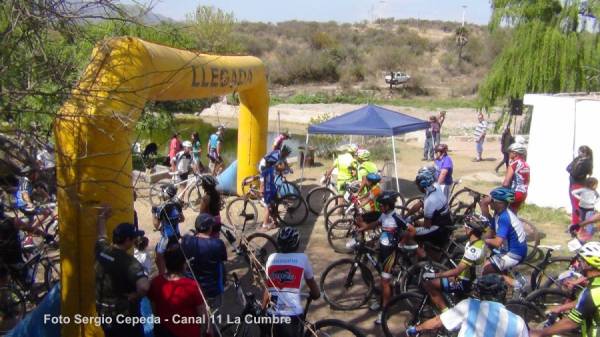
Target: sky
[477, 11]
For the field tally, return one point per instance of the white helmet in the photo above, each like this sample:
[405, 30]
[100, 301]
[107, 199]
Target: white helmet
[187, 143]
[591, 253]
[518, 148]
[520, 140]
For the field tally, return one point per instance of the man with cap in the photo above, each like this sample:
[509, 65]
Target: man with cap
[120, 279]
[207, 256]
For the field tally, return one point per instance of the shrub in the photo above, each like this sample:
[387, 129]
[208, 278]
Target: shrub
[325, 144]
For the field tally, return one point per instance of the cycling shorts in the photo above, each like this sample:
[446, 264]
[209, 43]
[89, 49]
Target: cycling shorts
[269, 196]
[455, 286]
[163, 243]
[214, 157]
[519, 200]
[503, 262]
[437, 237]
[387, 258]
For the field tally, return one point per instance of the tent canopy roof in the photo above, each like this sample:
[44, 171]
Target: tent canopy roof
[370, 120]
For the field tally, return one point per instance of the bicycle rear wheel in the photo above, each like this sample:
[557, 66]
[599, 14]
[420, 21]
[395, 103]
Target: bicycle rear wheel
[340, 232]
[462, 203]
[257, 247]
[12, 308]
[316, 198]
[291, 210]
[334, 214]
[407, 309]
[194, 196]
[334, 328]
[346, 284]
[547, 277]
[529, 312]
[241, 213]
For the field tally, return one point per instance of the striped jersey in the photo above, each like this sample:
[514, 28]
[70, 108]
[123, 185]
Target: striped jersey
[476, 318]
[480, 130]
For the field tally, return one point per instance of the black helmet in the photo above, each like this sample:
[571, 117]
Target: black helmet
[288, 239]
[477, 222]
[169, 191]
[388, 198]
[491, 287]
[209, 181]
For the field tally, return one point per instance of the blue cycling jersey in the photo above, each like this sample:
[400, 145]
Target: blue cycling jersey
[508, 226]
[23, 187]
[213, 140]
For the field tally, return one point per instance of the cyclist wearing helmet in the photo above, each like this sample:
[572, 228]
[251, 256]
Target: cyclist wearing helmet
[345, 165]
[23, 197]
[461, 278]
[268, 189]
[280, 156]
[369, 200]
[214, 148]
[517, 175]
[183, 161]
[444, 167]
[507, 232]
[436, 212]
[365, 166]
[286, 273]
[478, 317]
[278, 141]
[166, 219]
[587, 311]
[392, 232]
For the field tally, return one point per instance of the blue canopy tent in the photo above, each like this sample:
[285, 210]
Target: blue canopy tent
[370, 120]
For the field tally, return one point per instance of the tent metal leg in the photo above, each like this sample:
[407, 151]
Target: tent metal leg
[304, 159]
[395, 164]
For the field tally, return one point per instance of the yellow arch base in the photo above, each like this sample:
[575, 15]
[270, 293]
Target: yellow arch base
[93, 133]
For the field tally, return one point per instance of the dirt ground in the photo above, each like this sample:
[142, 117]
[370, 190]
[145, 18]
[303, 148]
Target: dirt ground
[478, 175]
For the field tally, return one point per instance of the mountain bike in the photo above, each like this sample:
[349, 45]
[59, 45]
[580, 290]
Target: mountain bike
[245, 325]
[191, 192]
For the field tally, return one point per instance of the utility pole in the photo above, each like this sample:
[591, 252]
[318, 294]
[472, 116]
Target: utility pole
[464, 7]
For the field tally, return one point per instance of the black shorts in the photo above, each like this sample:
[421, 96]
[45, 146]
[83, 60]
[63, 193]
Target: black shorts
[387, 258]
[214, 157]
[437, 238]
[371, 216]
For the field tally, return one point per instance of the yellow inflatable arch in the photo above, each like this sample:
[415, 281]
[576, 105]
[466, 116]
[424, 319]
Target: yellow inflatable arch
[93, 137]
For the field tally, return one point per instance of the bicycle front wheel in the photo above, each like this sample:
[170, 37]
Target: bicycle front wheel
[462, 203]
[257, 248]
[333, 327]
[242, 213]
[317, 197]
[346, 284]
[404, 310]
[291, 210]
[155, 194]
[193, 197]
[339, 234]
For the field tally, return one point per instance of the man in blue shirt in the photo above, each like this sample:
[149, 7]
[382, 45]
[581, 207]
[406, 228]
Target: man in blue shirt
[507, 232]
[268, 190]
[213, 151]
[166, 219]
[207, 256]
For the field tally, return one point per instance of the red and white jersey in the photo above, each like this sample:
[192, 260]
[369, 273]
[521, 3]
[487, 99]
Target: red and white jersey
[520, 180]
[287, 273]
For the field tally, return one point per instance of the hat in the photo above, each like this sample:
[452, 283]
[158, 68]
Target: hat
[187, 143]
[126, 230]
[204, 222]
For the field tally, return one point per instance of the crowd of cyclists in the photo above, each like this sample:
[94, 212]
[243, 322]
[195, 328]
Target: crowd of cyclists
[191, 267]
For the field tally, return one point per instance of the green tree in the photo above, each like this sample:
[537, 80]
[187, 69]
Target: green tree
[551, 49]
[213, 30]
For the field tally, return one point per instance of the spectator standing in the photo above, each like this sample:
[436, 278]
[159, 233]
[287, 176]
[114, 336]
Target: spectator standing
[579, 169]
[428, 146]
[174, 294]
[517, 175]
[588, 197]
[196, 152]
[120, 279]
[505, 142]
[444, 168]
[479, 135]
[211, 202]
[174, 148]
[214, 148]
[436, 127]
[207, 256]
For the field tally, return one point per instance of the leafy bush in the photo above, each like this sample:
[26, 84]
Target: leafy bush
[325, 144]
